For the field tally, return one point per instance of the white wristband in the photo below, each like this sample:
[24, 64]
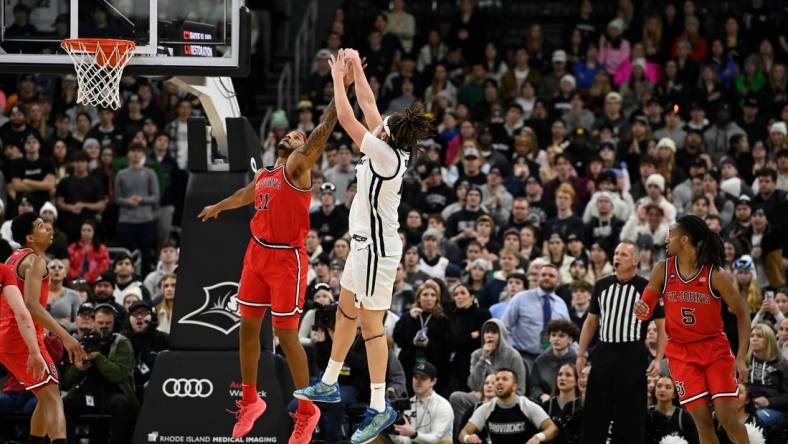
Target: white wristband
[540, 436]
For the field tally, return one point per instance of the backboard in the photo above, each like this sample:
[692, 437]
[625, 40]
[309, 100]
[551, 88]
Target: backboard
[173, 37]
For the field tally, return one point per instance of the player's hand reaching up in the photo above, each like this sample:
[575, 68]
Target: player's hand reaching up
[338, 65]
[209, 212]
[36, 365]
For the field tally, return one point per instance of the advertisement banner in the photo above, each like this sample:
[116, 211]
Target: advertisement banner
[189, 392]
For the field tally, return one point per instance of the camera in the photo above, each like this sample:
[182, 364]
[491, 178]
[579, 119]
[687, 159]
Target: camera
[400, 405]
[95, 341]
[325, 317]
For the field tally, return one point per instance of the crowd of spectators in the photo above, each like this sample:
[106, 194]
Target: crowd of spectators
[547, 154]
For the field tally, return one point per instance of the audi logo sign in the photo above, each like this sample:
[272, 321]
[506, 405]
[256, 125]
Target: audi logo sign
[187, 388]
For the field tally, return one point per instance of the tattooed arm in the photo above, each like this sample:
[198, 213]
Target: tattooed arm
[300, 162]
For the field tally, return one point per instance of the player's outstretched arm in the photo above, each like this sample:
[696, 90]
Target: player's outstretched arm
[24, 322]
[241, 197]
[722, 283]
[301, 161]
[352, 127]
[33, 269]
[651, 294]
[364, 94]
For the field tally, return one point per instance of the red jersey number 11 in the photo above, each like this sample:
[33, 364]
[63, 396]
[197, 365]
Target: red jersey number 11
[262, 201]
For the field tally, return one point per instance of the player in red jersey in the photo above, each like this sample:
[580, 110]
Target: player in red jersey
[275, 266]
[691, 282]
[29, 269]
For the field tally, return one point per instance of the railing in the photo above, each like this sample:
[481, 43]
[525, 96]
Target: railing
[283, 87]
[304, 49]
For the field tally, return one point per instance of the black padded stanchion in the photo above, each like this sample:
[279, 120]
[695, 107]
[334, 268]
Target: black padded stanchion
[192, 385]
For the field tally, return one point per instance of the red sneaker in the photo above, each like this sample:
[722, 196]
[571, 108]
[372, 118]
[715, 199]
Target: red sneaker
[246, 415]
[305, 424]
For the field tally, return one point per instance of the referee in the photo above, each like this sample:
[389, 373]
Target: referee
[617, 384]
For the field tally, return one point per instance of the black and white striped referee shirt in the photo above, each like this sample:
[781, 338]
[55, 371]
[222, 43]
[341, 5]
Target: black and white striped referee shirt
[614, 302]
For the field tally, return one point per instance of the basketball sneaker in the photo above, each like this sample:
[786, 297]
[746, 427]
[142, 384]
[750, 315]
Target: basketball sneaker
[319, 392]
[305, 424]
[246, 415]
[374, 424]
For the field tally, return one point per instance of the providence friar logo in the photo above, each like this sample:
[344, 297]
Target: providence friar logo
[220, 311]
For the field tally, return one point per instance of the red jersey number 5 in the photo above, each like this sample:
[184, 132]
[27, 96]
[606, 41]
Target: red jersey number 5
[262, 201]
[688, 316]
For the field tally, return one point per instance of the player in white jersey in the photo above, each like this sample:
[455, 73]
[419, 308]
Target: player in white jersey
[375, 248]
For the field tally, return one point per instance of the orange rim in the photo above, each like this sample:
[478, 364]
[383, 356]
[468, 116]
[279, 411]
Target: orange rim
[112, 52]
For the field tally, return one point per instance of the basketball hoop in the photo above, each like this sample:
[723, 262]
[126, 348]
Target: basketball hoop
[99, 64]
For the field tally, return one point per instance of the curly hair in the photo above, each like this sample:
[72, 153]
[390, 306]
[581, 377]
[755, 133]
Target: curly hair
[409, 127]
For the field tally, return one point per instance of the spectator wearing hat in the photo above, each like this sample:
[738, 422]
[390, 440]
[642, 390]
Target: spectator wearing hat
[495, 197]
[329, 220]
[83, 321]
[655, 187]
[435, 194]
[741, 219]
[603, 222]
[614, 49]
[320, 76]
[430, 417]
[146, 341]
[432, 262]
[717, 137]
[103, 293]
[750, 81]
[753, 124]
[308, 332]
[306, 122]
[15, 130]
[562, 334]
[32, 174]
[549, 85]
[778, 136]
[612, 116]
[79, 197]
[343, 172]
[746, 282]
[638, 86]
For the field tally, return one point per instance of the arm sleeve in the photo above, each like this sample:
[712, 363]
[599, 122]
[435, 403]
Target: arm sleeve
[533, 411]
[480, 415]
[381, 155]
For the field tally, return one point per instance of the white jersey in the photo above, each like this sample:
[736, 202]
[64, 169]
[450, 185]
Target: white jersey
[374, 216]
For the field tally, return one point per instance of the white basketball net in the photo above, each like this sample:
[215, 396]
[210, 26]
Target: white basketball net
[99, 65]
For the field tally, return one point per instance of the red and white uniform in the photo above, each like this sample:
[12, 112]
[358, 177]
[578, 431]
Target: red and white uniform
[13, 350]
[275, 264]
[699, 354]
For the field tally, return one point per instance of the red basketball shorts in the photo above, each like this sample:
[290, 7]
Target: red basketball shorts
[16, 364]
[273, 276]
[702, 371]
